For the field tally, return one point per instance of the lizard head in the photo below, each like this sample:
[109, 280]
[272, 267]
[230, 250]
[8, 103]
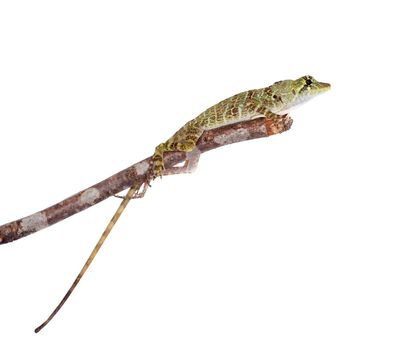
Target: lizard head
[294, 92]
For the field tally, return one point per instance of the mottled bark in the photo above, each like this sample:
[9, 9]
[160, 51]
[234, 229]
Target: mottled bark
[253, 129]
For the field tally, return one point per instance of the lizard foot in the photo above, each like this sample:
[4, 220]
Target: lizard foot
[140, 193]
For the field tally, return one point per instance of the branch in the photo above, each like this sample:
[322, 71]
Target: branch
[136, 174]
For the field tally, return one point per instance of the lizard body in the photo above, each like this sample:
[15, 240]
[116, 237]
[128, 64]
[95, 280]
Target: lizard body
[269, 102]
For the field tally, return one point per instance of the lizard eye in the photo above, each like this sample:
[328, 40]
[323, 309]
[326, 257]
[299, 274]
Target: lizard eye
[308, 81]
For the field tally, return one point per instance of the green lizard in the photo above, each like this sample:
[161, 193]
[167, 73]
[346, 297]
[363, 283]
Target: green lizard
[271, 102]
[274, 100]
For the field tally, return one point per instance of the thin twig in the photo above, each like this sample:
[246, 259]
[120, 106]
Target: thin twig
[136, 174]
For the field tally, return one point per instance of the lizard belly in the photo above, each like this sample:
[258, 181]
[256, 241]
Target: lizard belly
[229, 120]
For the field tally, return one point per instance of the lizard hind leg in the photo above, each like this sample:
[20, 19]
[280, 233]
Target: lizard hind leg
[189, 166]
[184, 140]
[157, 160]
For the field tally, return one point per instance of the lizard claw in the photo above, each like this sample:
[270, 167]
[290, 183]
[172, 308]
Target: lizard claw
[140, 193]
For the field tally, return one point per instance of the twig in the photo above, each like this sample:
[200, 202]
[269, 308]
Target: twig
[136, 175]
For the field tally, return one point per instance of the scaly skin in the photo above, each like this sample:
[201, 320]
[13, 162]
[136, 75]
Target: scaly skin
[269, 102]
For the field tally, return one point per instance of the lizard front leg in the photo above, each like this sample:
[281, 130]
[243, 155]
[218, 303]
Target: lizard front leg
[184, 140]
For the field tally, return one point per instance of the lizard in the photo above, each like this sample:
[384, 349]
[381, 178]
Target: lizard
[271, 102]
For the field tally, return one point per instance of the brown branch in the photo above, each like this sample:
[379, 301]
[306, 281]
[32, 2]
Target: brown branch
[211, 139]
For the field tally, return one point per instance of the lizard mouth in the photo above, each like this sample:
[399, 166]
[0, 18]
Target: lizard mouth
[324, 87]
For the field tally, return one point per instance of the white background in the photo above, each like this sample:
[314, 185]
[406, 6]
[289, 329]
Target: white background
[298, 241]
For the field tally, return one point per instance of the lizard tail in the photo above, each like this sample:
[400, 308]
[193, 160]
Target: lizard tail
[94, 252]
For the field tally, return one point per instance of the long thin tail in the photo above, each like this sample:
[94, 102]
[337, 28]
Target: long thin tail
[104, 235]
